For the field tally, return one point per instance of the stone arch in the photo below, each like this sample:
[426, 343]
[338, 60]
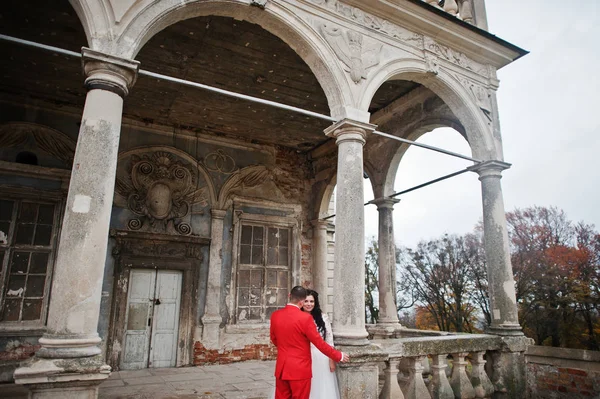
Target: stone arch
[95, 19]
[425, 127]
[143, 19]
[477, 130]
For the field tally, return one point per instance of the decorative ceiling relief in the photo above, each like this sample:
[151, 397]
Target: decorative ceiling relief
[455, 57]
[349, 48]
[160, 189]
[371, 21]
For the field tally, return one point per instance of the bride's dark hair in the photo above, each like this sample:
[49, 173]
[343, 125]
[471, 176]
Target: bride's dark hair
[317, 313]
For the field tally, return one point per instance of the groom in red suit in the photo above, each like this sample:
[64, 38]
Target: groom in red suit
[292, 331]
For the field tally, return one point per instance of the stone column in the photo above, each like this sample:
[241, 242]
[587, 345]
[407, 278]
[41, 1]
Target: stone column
[69, 362]
[319, 267]
[349, 272]
[501, 281]
[212, 313]
[388, 313]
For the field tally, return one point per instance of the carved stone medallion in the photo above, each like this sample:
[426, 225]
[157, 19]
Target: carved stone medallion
[160, 190]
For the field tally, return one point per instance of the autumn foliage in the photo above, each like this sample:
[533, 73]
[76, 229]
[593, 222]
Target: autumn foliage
[556, 265]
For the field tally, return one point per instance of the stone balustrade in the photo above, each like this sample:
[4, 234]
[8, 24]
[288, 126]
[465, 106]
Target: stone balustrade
[462, 9]
[439, 365]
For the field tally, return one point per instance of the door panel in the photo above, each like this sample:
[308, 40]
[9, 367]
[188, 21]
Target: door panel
[139, 307]
[165, 328]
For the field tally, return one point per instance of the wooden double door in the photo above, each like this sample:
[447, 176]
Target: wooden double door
[152, 319]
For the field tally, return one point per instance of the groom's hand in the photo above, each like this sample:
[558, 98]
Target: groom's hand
[345, 358]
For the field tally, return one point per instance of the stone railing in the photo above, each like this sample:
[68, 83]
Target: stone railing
[428, 364]
[462, 9]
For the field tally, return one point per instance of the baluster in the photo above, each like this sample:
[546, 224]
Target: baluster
[481, 383]
[466, 11]
[460, 381]
[415, 387]
[426, 370]
[450, 7]
[391, 389]
[439, 387]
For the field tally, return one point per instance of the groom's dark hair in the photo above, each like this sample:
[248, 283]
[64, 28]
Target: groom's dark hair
[297, 294]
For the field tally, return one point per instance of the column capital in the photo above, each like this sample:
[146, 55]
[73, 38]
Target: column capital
[490, 168]
[108, 72]
[350, 130]
[218, 213]
[385, 202]
[321, 224]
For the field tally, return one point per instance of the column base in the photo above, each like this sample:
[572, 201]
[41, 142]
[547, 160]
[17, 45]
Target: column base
[63, 378]
[211, 332]
[66, 347]
[506, 329]
[385, 330]
[359, 378]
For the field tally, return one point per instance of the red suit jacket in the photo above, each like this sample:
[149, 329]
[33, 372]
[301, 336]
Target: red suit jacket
[292, 331]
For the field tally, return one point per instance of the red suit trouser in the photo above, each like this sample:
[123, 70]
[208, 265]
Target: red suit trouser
[292, 389]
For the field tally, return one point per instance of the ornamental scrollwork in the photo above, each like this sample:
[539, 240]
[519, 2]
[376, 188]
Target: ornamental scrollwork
[160, 190]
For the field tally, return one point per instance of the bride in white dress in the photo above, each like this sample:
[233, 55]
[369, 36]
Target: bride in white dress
[324, 383]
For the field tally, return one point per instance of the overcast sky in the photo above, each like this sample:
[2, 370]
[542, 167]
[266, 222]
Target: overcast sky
[549, 113]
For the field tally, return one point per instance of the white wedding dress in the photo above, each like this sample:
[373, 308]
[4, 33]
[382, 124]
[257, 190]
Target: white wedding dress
[324, 383]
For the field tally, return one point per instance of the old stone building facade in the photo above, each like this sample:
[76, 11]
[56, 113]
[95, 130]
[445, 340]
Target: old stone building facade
[148, 222]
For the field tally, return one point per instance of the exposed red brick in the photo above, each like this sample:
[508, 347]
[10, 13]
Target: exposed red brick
[19, 351]
[203, 356]
[577, 372]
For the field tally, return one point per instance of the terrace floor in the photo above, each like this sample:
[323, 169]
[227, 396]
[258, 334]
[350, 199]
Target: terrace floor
[247, 380]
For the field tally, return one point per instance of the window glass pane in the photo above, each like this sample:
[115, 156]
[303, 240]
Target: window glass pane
[283, 257]
[243, 297]
[32, 309]
[246, 234]
[282, 297]
[35, 286]
[11, 310]
[283, 237]
[24, 233]
[257, 235]
[19, 262]
[243, 313]
[16, 286]
[256, 279]
[28, 212]
[4, 229]
[273, 237]
[271, 278]
[255, 314]
[282, 279]
[272, 256]
[43, 233]
[270, 311]
[1, 257]
[39, 263]
[244, 278]
[6, 209]
[255, 298]
[46, 214]
[245, 251]
[257, 255]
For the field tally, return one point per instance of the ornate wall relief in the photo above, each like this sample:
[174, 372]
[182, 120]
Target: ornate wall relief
[270, 183]
[32, 137]
[455, 57]
[160, 189]
[371, 21]
[482, 97]
[348, 46]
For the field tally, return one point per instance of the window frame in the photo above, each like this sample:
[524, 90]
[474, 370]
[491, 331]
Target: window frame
[241, 219]
[19, 196]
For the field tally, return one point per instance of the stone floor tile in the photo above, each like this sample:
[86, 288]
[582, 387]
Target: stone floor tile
[153, 379]
[112, 383]
[246, 386]
[134, 373]
[192, 377]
